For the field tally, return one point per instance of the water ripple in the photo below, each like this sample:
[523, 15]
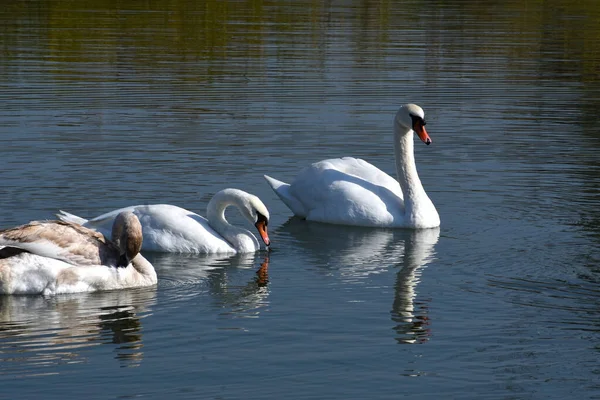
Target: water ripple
[107, 104]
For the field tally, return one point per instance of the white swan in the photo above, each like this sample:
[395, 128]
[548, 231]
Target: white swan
[350, 191]
[53, 257]
[173, 229]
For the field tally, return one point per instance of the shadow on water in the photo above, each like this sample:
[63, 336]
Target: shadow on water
[38, 332]
[356, 253]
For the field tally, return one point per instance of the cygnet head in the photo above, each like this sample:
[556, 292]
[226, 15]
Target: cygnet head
[127, 235]
[412, 117]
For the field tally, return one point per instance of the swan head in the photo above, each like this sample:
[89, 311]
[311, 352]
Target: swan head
[256, 212]
[250, 206]
[127, 235]
[412, 117]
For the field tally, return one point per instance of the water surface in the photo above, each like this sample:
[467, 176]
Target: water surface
[106, 105]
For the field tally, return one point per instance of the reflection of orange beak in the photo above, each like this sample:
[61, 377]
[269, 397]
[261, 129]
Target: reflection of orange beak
[263, 273]
[422, 133]
[262, 230]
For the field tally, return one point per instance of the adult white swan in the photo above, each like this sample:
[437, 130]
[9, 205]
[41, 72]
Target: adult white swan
[53, 257]
[173, 229]
[350, 191]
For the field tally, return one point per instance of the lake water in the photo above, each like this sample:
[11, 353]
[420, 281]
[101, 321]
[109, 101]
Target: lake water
[108, 104]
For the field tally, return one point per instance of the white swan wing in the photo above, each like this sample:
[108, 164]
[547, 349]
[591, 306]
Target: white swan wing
[166, 228]
[170, 228]
[346, 191]
[360, 168]
[282, 190]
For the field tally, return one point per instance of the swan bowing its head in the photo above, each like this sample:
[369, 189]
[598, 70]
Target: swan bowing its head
[52, 257]
[172, 229]
[351, 191]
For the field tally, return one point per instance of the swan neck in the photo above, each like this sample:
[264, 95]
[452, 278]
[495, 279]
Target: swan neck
[405, 165]
[215, 214]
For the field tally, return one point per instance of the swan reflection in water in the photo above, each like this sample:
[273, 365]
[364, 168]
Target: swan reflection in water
[357, 253]
[409, 314]
[38, 332]
[185, 275]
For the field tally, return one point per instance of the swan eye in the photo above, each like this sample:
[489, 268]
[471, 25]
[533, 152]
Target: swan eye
[416, 120]
[261, 218]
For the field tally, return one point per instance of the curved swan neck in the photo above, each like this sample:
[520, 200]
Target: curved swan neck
[405, 165]
[215, 214]
[144, 268]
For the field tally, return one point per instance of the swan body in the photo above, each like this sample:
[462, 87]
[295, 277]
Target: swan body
[172, 229]
[351, 191]
[54, 257]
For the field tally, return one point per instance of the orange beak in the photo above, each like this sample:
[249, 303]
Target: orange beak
[262, 230]
[422, 133]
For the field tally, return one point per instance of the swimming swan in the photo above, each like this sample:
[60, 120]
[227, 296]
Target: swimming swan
[53, 257]
[173, 229]
[350, 191]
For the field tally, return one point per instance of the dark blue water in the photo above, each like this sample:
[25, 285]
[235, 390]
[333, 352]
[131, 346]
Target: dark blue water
[105, 105]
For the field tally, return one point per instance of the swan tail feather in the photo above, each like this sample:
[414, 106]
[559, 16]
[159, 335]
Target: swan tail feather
[68, 217]
[282, 190]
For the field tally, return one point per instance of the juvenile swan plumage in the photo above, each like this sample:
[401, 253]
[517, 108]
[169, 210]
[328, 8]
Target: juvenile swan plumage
[52, 257]
[350, 191]
[173, 229]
